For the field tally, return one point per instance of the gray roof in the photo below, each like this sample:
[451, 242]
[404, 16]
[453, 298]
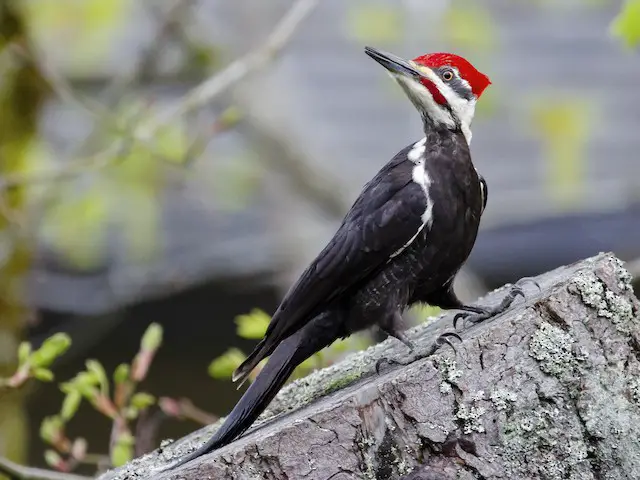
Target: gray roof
[337, 105]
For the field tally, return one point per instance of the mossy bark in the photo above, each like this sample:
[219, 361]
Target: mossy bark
[22, 91]
[548, 390]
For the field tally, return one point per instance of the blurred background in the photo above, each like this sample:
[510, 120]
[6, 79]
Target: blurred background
[180, 162]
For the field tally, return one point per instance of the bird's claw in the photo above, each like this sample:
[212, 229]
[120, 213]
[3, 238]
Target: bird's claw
[441, 340]
[486, 313]
[444, 338]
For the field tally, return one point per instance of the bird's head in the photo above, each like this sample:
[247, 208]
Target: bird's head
[444, 87]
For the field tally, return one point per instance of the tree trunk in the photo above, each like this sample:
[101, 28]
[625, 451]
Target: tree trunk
[22, 91]
[548, 390]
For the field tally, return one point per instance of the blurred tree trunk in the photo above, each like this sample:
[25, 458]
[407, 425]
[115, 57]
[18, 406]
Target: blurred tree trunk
[22, 91]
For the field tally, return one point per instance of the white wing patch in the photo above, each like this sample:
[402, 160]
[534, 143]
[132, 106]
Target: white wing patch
[419, 176]
[416, 154]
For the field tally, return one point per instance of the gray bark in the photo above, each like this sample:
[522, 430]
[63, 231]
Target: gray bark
[548, 390]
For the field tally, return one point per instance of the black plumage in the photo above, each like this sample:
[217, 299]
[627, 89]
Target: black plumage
[402, 242]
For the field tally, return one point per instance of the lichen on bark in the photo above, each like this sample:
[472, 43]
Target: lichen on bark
[548, 390]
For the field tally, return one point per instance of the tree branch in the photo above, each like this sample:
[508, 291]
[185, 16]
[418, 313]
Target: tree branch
[241, 68]
[19, 472]
[194, 99]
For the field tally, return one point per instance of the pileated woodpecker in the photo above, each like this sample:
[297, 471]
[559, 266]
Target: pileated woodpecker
[402, 242]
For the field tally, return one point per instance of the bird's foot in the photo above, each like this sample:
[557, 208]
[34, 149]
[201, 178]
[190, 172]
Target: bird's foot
[441, 340]
[402, 338]
[485, 313]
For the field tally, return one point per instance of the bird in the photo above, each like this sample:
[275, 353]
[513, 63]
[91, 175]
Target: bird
[402, 242]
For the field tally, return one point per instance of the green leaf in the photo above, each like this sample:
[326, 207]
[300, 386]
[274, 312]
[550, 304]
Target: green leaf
[152, 338]
[24, 350]
[51, 349]
[142, 400]
[130, 412]
[377, 23]
[97, 369]
[253, 325]
[85, 383]
[43, 374]
[626, 25]
[223, 366]
[121, 373]
[52, 458]
[122, 451]
[70, 405]
[50, 428]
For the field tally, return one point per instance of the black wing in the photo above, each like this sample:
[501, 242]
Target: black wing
[384, 218]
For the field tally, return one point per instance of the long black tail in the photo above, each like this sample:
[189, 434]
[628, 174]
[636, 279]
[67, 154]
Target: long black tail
[313, 337]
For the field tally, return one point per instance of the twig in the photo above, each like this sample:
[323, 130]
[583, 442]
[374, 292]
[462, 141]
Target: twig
[55, 174]
[144, 65]
[238, 70]
[18, 472]
[183, 408]
[196, 98]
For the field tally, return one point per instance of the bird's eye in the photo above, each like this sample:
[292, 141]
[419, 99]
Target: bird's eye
[447, 75]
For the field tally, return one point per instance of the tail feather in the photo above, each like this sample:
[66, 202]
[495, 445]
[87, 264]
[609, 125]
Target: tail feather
[313, 337]
[261, 351]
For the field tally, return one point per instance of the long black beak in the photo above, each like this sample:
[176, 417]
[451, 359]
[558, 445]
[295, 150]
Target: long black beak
[392, 63]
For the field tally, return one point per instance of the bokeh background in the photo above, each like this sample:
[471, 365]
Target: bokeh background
[142, 180]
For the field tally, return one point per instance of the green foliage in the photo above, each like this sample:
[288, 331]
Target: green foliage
[152, 338]
[223, 366]
[122, 450]
[253, 325]
[52, 458]
[51, 348]
[121, 373]
[142, 400]
[50, 427]
[70, 405]
[626, 25]
[35, 364]
[93, 386]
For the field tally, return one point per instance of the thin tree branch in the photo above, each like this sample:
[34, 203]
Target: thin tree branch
[239, 69]
[18, 472]
[196, 98]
